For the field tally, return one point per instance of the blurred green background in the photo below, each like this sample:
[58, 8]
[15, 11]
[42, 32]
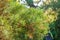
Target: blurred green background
[18, 22]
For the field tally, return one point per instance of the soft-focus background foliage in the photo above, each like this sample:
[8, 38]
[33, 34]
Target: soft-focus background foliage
[17, 22]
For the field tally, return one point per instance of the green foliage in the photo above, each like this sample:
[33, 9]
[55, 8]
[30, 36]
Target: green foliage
[56, 24]
[20, 23]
